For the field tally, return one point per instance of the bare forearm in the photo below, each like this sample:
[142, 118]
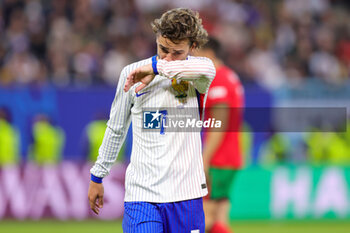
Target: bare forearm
[213, 141]
[215, 138]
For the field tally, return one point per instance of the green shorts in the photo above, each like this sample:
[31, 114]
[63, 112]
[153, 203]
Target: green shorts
[221, 181]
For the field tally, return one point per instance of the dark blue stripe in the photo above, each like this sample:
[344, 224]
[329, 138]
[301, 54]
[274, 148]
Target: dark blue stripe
[199, 102]
[154, 64]
[96, 179]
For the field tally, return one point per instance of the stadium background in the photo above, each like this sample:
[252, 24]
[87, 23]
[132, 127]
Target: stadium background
[59, 62]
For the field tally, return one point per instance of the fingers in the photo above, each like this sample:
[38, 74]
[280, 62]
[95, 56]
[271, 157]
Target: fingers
[94, 208]
[96, 204]
[95, 196]
[140, 87]
[130, 80]
[136, 76]
[100, 202]
[129, 83]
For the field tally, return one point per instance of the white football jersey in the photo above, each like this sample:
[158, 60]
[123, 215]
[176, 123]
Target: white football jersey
[164, 166]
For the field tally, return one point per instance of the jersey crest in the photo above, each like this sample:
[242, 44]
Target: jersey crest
[180, 89]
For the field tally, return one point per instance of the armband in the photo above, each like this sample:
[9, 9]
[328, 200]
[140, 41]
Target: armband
[154, 64]
[96, 179]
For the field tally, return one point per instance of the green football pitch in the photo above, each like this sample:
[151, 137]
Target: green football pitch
[52, 226]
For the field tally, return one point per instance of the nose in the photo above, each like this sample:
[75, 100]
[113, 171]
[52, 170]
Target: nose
[168, 57]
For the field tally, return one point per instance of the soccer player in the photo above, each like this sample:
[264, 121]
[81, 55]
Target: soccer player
[165, 180]
[221, 152]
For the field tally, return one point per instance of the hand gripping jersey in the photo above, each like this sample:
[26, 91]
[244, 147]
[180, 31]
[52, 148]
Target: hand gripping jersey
[168, 166]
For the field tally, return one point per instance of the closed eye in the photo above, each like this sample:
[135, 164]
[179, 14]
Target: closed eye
[165, 50]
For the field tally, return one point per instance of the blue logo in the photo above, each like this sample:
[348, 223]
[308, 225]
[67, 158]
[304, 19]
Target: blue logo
[138, 95]
[151, 120]
[154, 120]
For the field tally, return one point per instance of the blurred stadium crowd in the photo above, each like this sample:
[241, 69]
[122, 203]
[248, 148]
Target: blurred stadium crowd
[86, 42]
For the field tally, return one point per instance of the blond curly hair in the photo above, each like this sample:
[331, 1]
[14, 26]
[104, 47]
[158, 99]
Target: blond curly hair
[179, 24]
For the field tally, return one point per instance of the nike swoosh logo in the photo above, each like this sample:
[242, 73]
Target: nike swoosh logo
[138, 95]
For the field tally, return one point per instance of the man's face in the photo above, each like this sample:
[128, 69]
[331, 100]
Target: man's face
[170, 51]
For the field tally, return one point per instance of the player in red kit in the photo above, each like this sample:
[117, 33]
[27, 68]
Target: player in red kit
[222, 154]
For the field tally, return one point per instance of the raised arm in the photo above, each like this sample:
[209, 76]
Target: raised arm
[199, 70]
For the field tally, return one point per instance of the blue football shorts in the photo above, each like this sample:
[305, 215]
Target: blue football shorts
[174, 217]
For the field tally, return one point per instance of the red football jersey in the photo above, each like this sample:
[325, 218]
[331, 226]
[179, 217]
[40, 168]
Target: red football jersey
[227, 89]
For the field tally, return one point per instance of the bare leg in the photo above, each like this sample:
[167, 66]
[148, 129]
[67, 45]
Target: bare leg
[222, 208]
[219, 222]
[209, 211]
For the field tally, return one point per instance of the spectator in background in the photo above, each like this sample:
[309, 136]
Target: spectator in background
[222, 154]
[328, 147]
[323, 63]
[23, 67]
[114, 61]
[58, 52]
[343, 47]
[283, 41]
[48, 141]
[9, 139]
[93, 137]
[276, 150]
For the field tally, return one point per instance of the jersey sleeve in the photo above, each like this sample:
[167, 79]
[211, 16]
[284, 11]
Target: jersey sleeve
[199, 70]
[117, 127]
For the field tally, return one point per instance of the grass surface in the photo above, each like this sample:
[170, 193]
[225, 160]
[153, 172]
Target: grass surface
[94, 226]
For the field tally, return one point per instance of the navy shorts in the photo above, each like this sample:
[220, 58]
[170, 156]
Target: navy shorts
[175, 217]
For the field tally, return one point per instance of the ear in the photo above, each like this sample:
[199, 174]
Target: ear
[194, 45]
[193, 48]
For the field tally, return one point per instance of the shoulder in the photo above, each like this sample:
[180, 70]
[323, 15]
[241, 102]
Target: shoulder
[225, 84]
[226, 75]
